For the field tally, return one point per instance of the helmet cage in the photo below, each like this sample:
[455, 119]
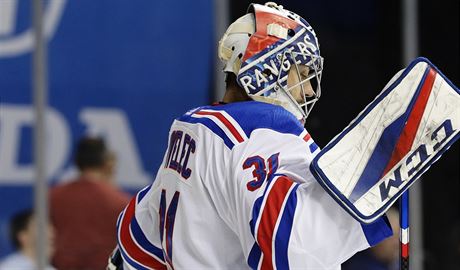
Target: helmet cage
[304, 106]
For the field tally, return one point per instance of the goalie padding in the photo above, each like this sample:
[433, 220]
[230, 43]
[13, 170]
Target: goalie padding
[392, 142]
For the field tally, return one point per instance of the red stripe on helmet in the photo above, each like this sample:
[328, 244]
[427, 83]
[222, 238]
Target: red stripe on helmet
[260, 39]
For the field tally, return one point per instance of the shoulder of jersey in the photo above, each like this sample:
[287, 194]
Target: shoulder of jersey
[234, 122]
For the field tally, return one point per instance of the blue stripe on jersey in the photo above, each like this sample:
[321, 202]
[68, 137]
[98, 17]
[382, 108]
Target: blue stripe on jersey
[130, 261]
[252, 115]
[284, 231]
[142, 193]
[377, 231]
[313, 147]
[256, 212]
[162, 212]
[255, 253]
[254, 256]
[119, 218]
[125, 256]
[170, 218]
[209, 124]
[258, 204]
[142, 240]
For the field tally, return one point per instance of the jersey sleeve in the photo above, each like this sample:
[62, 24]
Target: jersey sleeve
[139, 247]
[283, 217]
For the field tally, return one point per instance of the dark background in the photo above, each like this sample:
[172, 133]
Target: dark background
[361, 42]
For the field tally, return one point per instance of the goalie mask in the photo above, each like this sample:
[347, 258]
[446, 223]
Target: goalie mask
[266, 45]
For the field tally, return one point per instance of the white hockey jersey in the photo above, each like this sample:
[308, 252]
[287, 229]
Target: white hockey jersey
[235, 191]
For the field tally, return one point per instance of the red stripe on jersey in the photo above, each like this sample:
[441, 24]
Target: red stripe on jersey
[307, 137]
[131, 248]
[225, 121]
[271, 212]
[410, 130]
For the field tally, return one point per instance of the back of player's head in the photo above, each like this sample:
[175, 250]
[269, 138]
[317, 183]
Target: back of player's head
[19, 223]
[90, 153]
[260, 48]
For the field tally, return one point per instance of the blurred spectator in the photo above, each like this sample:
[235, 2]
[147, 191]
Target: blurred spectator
[23, 237]
[383, 256]
[84, 211]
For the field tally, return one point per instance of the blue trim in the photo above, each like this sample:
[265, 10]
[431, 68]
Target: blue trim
[130, 261]
[119, 218]
[258, 204]
[253, 115]
[377, 231]
[313, 147]
[162, 213]
[142, 193]
[170, 219]
[210, 125]
[255, 213]
[254, 256]
[284, 231]
[126, 258]
[330, 188]
[250, 115]
[142, 240]
[285, 225]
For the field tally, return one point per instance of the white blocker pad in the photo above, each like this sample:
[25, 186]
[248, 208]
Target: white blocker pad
[392, 142]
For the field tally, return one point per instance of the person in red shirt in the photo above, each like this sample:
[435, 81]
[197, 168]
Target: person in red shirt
[84, 211]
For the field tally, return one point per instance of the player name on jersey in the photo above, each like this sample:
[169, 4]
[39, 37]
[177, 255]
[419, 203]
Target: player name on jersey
[181, 145]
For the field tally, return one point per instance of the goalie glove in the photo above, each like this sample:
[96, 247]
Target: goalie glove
[392, 142]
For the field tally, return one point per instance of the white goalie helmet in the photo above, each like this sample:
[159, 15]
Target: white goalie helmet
[261, 48]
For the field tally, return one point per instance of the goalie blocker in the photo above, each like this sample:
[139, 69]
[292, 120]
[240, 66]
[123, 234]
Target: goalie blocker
[392, 142]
